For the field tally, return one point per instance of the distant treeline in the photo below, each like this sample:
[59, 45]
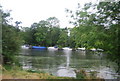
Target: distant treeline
[46, 33]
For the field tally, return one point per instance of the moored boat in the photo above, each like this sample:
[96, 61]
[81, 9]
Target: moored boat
[24, 47]
[66, 48]
[39, 47]
[52, 48]
[93, 49]
[83, 49]
[100, 50]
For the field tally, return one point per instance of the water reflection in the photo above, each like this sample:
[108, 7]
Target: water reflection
[68, 53]
[66, 71]
[63, 63]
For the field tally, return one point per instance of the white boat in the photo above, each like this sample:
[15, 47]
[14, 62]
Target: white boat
[52, 48]
[100, 50]
[93, 49]
[24, 47]
[66, 48]
[83, 49]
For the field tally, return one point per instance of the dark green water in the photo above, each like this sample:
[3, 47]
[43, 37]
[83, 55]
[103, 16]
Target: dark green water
[64, 62]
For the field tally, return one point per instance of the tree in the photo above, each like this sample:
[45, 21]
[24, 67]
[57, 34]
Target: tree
[63, 38]
[0, 35]
[11, 40]
[53, 35]
[41, 33]
[53, 22]
[109, 17]
[44, 33]
[98, 29]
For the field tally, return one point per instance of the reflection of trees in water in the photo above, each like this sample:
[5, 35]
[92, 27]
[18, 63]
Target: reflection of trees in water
[25, 61]
[66, 71]
[68, 56]
[85, 59]
[46, 62]
[67, 59]
[82, 63]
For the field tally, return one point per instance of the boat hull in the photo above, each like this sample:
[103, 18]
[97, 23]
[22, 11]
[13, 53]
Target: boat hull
[52, 48]
[24, 47]
[66, 48]
[38, 47]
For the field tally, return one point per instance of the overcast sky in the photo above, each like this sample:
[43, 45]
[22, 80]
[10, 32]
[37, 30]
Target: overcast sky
[30, 11]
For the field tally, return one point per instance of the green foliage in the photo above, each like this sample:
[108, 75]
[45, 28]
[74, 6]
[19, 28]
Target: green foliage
[44, 33]
[35, 71]
[98, 29]
[0, 34]
[53, 22]
[63, 38]
[11, 41]
[53, 35]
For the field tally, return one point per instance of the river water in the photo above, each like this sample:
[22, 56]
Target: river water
[64, 62]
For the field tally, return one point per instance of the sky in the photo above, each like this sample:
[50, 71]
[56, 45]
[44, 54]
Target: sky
[30, 11]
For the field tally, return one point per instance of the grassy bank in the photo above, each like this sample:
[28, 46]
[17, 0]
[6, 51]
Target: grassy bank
[16, 72]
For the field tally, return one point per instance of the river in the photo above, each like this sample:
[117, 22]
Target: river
[64, 62]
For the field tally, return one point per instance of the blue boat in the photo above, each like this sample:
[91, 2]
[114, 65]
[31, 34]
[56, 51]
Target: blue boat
[38, 47]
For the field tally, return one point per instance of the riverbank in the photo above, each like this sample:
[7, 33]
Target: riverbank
[17, 73]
